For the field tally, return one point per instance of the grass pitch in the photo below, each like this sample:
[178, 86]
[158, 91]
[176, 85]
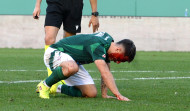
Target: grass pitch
[155, 81]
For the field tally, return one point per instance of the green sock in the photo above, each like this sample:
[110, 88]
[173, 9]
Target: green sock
[55, 77]
[71, 91]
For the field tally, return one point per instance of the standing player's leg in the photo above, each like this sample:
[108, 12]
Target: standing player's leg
[50, 34]
[53, 22]
[50, 38]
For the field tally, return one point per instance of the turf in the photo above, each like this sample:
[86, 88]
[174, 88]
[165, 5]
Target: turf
[147, 82]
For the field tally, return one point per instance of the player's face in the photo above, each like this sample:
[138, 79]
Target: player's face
[118, 57]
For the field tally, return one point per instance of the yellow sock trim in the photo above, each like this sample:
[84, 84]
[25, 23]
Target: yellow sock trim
[46, 46]
[49, 72]
[63, 81]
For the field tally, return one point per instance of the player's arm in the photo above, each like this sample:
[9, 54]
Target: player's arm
[108, 79]
[104, 88]
[37, 10]
[94, 20]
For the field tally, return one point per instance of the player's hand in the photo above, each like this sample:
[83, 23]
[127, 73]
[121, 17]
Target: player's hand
[109, 97]
[36, 13]
[122, 98]
[95, 23]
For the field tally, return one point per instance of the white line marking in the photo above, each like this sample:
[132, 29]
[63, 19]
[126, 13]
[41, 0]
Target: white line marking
[22, 70]
[25, 81]
[151, 78]
[122, 79]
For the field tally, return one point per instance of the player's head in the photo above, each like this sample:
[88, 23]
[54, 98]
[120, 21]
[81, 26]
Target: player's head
[124, 50]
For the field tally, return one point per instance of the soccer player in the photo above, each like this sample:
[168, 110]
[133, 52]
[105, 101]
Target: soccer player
[65, 57]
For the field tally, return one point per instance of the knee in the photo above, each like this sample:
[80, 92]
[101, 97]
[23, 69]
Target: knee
[73, 68]
[49, 40]
[69, 68]
[91, 94]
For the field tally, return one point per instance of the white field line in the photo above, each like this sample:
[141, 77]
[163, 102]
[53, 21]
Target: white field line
[151, 78]
[24, 81]
[97, 71]
[22, 70]
[122, 79]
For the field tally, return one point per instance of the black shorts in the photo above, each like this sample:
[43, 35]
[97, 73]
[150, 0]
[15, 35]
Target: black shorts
[68, 12]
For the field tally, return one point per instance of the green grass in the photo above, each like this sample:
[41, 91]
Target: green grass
[146, 95]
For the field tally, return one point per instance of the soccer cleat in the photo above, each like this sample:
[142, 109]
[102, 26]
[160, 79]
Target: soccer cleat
[53, 88]
[43, 90]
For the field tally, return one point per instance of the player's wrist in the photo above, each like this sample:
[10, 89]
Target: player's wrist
[118, 96]
[104, 96]
[96, 14]
[37, 7]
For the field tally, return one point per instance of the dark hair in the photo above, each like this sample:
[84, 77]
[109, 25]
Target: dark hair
[130, 49]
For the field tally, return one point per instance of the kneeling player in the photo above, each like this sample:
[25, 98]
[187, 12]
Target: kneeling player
[65, 57]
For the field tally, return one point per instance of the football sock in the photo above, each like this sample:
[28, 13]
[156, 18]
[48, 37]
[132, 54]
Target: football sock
[55, 77]
[71, 91]
[49, 71]
[46, 46]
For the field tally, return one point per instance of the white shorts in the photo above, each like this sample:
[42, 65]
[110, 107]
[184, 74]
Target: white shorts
[82, 77]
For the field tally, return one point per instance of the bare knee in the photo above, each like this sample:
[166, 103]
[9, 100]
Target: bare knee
[49, 40]
[69, 68]
[92, 94]
[89, 91]
[50, 34]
